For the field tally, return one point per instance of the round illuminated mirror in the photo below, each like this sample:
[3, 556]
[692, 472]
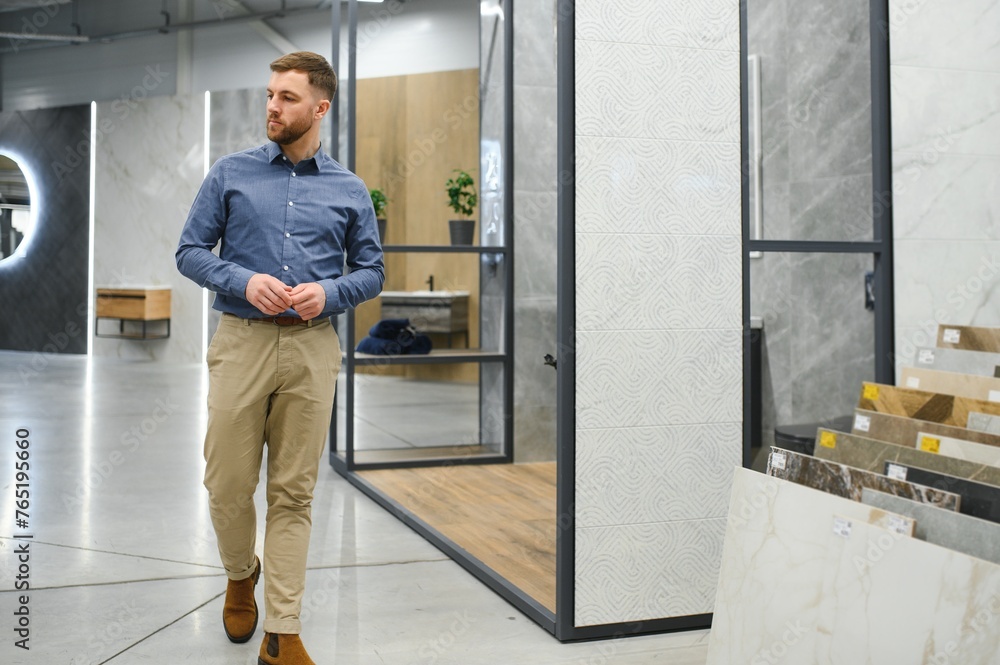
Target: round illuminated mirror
[16, 220]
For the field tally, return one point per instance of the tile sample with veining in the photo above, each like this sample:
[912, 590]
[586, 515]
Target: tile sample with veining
[960, 449]
[962, 533]
[980, 363]
[871, 455]
[772, 568]
[889, 600]
[983, 422]
[951, 383]
[904, 431]
[848, 482]
[978, 499]
[922, 405]
[969, 338]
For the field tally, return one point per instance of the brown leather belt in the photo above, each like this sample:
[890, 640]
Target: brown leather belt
[280, 320]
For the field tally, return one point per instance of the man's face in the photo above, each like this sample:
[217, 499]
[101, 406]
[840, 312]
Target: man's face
[291, 106]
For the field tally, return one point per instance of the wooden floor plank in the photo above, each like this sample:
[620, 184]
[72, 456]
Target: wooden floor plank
[503, 514]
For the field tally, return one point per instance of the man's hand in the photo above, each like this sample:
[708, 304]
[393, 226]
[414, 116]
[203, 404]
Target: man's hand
[268, 294]
[308, 300]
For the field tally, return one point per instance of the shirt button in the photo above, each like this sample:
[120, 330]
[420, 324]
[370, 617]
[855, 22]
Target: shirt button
[291, 203]
[288, 235]
[293, 174]
[285, 267]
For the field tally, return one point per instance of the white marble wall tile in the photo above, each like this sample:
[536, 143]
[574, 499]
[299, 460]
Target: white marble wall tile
[984, 422]
[944, 282]
[658, 282]
[149, 165]
[946, 196]
[630, 90]
[666, 377]
[938, 34]
[655, 474]
[636, 572]
[772, 570]
[704, 24]
[939, 110]
[641, 186]
[960, 449]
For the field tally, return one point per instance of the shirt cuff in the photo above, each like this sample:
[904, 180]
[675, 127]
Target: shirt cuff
[238, 282]
[332, 295]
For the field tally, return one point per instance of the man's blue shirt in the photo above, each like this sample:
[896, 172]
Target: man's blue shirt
[294, 224]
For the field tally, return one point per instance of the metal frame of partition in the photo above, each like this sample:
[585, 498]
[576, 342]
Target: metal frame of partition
[348, 463]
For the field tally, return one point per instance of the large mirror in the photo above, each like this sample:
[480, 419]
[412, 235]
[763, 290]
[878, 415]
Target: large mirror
[16, 220]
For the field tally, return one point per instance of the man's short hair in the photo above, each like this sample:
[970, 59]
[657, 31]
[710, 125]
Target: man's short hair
[321, 75]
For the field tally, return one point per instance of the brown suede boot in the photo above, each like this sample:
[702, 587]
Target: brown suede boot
[281, 649]
[239, 614]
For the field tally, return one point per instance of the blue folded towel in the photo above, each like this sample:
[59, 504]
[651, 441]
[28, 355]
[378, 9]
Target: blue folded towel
[391, 337]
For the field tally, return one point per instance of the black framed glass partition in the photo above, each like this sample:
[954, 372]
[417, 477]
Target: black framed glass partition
[420, 108]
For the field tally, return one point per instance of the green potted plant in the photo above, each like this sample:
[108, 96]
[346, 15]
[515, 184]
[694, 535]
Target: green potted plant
[462, 198]
[379, 202]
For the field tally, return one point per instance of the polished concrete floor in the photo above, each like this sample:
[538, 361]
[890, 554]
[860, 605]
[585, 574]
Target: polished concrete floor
[123, 565]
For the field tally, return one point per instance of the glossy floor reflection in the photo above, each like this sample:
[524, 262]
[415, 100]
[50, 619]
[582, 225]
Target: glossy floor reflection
[123, 561]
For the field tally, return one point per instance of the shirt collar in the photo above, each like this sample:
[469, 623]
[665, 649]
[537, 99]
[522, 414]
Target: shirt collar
[274, 153]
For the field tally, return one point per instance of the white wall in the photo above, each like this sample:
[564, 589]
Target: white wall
[659, 390]
[945, 72]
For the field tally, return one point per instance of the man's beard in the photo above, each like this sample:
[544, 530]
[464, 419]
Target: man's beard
[286, 134]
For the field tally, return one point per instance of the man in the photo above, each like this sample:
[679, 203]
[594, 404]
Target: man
[287, 217]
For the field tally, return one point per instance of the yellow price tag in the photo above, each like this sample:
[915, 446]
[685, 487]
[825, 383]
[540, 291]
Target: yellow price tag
[870, 391]
[828, 439]
[930, 444]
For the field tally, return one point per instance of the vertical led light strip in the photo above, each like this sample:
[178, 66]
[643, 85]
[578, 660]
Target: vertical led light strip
[205, 167]
[91, 305]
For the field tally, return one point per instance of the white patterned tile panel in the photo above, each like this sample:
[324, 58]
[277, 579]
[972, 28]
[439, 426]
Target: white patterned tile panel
[652, 186]
[630, 90]
[941, 111]
[655, 474]
[656, 282]
[647, 571]
[707, 24]
[661, 377]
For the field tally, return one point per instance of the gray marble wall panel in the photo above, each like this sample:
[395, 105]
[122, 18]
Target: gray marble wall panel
[658, 287]
[149, 169]
[45, 293]
[534, 230]
[945, 73]
[814, 60]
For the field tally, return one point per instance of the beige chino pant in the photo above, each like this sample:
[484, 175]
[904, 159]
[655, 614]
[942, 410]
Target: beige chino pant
[270, 385]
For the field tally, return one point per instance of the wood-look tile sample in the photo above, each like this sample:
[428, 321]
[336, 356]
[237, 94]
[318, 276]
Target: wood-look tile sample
[980, 363]
[969, 535]
[951, 383]
[848, 482]
[871, 455]
[922, 405]
[969, 338]
[904, 431]
[978, 499]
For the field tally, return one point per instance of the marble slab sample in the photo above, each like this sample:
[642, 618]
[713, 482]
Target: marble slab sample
[969, 338]
[978, 499]
[951, 383]
[848, 482]
[962, 533]
[772, 568]
[983, 422]
[921, 404]
[980, 363]
[960, 449]
[889, 600]
[904, 431]
[871, 455]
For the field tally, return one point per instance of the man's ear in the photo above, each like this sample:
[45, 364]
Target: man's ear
[322, 107]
